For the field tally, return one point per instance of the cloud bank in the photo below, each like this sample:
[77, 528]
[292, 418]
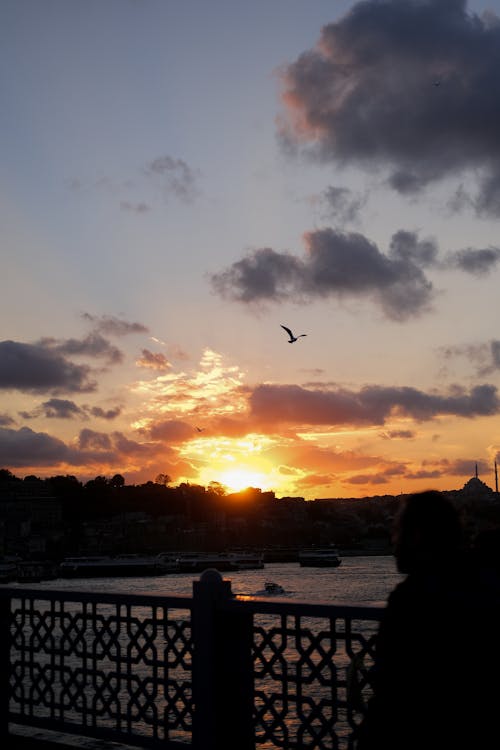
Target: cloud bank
[370, 405]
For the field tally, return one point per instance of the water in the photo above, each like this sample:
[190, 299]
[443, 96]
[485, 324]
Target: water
[359, 580]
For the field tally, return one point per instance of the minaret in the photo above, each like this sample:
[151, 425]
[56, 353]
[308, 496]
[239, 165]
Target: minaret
[476, 472]
[496, 478]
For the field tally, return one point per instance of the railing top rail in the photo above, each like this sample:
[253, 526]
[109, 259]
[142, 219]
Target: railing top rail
[282, 605]
[102, 597]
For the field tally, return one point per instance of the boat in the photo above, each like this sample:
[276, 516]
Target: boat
[270, 587]
[319, 557]
[8, 570]
[246, 560]
[34, 571]
[121, 565]
[197, 562]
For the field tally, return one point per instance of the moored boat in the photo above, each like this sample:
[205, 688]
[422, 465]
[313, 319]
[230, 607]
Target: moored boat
[319, 557]
[121, 565]
[246, 560]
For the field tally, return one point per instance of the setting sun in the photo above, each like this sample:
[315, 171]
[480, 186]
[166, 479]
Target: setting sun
[239, 479]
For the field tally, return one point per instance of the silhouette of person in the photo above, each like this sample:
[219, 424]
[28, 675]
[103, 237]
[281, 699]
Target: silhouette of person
[435, 677]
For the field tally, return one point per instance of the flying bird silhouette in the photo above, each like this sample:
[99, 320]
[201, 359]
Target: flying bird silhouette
[200, 429]
[292, 338]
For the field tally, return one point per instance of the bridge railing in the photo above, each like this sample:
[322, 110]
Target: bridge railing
[201, 672]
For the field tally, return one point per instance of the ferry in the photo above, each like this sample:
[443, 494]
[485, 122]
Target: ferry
[319, 557]
[197, 562]
[121, 565]
[246, 560]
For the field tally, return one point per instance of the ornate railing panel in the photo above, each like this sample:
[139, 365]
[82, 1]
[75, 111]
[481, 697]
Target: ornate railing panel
[311, 674]
[108, 666]
[173, 672]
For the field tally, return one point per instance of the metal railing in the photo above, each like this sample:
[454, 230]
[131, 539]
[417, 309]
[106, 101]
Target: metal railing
[205, 672]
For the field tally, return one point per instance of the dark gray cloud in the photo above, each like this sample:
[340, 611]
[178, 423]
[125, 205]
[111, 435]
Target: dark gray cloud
[405, 85]
[113, 326]
[477, 262]
[58, 408]
[175, 176]
[6, 420]
[93, 345]
[337, 264]
[370, 405]
[97, 411]
[55, 408]
[24, 447]
[39, 369]
[153, 361]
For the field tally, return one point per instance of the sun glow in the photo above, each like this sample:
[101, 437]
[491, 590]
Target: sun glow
[239, 479]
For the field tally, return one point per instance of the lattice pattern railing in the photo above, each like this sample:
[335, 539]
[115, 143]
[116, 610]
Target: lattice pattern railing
[171, 672]
[312, 680]
[106, 666]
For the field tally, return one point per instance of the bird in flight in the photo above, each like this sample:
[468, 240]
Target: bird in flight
[200, 429]
[293, 338]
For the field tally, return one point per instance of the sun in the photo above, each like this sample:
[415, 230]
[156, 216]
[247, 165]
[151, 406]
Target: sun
[239, 479]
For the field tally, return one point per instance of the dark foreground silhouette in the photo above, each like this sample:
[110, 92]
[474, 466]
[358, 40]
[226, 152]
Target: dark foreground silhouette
[437, 667]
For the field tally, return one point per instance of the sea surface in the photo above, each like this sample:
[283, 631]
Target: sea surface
[358, 580]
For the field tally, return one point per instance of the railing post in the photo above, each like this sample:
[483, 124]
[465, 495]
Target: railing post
[5, 642]
[222, 668]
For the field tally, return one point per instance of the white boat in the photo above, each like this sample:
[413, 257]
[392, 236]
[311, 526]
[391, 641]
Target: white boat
[319, 557]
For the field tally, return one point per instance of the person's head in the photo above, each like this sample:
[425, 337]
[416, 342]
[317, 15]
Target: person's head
[428, 532]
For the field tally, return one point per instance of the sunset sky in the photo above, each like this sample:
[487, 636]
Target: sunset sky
[179, 178]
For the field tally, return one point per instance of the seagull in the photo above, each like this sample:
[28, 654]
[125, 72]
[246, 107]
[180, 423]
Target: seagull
[200, 429]
[293, 338]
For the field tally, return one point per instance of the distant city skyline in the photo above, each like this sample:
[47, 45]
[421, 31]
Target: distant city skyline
[181, 181]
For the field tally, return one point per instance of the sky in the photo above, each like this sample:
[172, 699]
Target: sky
[179, 179]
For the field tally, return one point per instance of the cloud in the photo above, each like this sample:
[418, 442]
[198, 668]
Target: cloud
[176, 177]
[171, 430]
[97, 411]
[485, 356]
[476, 262]
[342, 204]
[397, 435]
[55, 408]
[370, 405]
[367, 94]
[337, 264]
[113, 326]
[93, 345]
[136, 208]
[90, 439]
[153, 361]
[6, 420]
[24, 447]
[38, 369]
